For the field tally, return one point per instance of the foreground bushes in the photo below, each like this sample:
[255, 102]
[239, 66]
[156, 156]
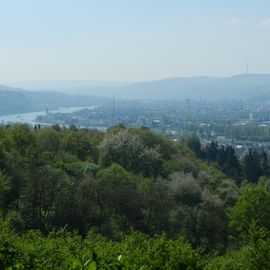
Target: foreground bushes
[64, 250]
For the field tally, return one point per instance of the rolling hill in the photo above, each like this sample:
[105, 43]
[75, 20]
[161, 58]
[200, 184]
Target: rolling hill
[243, 86]
[249, 86]
[14, 100]
[236, 87]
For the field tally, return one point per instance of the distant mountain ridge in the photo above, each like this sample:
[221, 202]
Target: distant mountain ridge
[243, 86]
[236, 87]
[249, 86]
[15, 100]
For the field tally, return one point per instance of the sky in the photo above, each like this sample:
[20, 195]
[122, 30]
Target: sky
[132, 40]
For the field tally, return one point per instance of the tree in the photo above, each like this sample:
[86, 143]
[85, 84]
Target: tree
[118, 197]
[185, 189]
[45, 192]
[79, 144]
[129, 151]
[157, 202]
[197, 214]
[194, 144]
[211, 151]
[228, 162]
[253, 207]
[252, 169]
[151, 140]
[5, 187]
[265, 164]
[49, 140]
[21, 137]
[3, 156]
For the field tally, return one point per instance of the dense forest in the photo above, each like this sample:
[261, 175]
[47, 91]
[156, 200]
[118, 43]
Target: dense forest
[129, 199]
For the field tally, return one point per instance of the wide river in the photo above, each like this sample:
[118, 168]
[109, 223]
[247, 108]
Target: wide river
[30, 117]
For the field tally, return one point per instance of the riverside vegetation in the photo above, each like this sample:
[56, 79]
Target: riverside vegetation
[129, 199]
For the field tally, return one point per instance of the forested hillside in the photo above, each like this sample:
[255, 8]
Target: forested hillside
[242, 86]
[245, 86]
[129, 199]
[13, 100]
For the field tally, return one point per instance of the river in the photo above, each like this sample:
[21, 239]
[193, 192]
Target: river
[29, 117]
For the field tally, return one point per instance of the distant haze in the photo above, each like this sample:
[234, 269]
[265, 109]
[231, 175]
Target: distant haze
[63, 85]
[179, 88]
[134, 40]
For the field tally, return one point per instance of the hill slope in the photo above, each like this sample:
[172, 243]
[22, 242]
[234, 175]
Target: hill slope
[236, 87]
[13, 100]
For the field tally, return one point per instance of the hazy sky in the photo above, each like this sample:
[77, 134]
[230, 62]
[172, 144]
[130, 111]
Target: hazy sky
[132, 40]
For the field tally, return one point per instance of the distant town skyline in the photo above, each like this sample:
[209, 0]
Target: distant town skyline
[133, 40]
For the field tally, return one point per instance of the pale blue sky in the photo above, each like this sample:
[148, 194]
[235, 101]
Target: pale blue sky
[131, 40]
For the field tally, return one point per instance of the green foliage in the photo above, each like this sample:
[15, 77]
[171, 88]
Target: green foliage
[255, 254]
[252, 207]
[194, 144]
[129, 150]
[224, 157]
[4, 185]
[114, 173]
[79, 144]
[49, 140]
[127, 199]
[63, 250]
[21, 137]
[251, 166]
